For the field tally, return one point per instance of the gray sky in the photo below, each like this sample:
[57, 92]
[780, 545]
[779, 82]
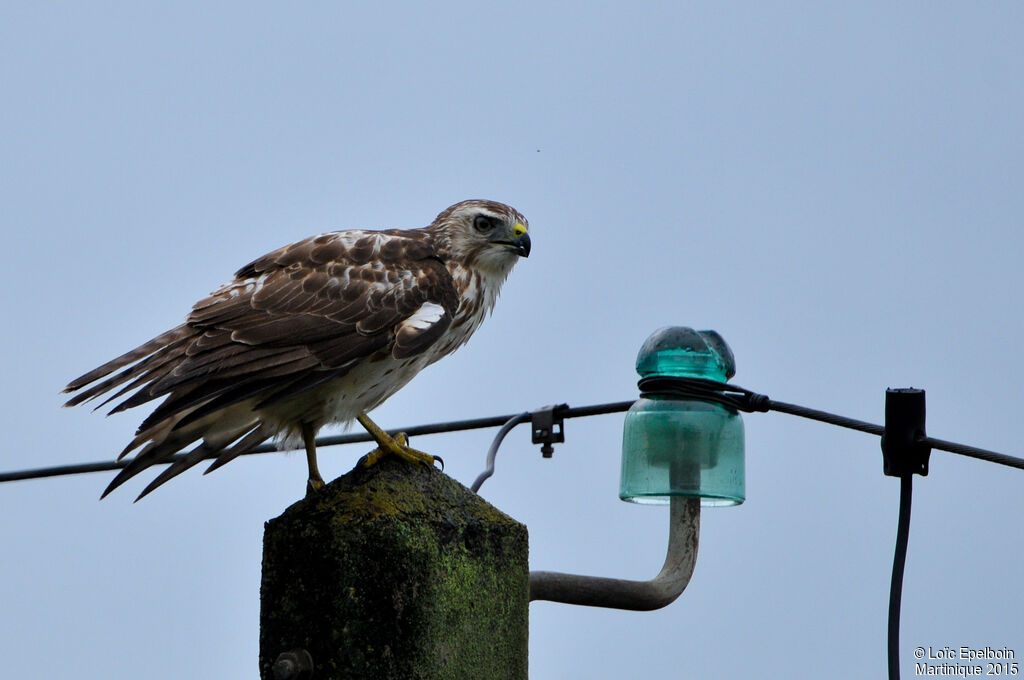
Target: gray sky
[836, 189]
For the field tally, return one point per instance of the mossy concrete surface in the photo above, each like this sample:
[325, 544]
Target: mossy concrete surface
[396, 571]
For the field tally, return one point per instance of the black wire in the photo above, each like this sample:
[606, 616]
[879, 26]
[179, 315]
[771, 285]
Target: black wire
[333, 440]
[825, 417]
[899, 561]
[745, 400]
[974, 452]
[687, 388]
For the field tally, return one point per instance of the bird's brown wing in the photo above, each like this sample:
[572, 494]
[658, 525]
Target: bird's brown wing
[290, 321]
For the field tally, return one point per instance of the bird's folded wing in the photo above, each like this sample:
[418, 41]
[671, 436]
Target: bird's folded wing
[294, 319]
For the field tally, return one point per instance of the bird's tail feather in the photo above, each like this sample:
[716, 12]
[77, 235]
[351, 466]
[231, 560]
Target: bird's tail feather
[154, 346]
[153, 453]
[156, 365]
[177, 467]
[248, 442]
[252, 434]
[149, 376]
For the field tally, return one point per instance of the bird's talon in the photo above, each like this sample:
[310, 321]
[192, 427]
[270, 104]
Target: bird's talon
[313, 486]
[438, 459]
[371, 458]
[397, 444]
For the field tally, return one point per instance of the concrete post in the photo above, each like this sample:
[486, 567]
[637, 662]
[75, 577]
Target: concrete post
[394, 572]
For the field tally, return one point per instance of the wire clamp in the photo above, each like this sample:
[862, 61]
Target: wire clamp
[547, 425]
[904, 449]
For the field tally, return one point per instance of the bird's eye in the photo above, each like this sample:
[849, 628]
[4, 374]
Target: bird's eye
[483, 223]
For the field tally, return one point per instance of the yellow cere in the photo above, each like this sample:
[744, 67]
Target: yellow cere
[519, 229]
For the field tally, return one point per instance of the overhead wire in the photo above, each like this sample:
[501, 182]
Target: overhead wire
[685, 388]
[330, 440]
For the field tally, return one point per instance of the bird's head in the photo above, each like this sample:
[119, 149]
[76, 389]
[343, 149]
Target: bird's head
[486, 235]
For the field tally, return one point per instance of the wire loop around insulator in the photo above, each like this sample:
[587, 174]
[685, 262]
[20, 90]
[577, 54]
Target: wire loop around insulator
[701, 389]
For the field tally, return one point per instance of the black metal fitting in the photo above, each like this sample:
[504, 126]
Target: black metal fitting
[547, 424]
[296, 664]
[904, 451]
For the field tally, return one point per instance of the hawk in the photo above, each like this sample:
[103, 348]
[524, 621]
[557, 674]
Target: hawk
[321, 331]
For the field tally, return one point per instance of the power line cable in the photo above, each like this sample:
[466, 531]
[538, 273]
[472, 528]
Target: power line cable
[685, 388]
[333, 440]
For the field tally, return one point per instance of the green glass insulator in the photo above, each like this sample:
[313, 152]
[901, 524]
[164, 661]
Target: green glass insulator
[683, 447]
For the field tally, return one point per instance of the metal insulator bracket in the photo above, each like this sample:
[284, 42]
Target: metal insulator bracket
[548, 427]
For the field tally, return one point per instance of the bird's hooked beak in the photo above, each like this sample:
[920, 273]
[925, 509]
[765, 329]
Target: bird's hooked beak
[521, 242]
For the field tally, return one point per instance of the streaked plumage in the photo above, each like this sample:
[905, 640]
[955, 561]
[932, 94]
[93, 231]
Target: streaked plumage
[313, 333]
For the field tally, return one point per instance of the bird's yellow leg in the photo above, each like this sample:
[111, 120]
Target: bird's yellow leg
[388, 445]
[315, 481]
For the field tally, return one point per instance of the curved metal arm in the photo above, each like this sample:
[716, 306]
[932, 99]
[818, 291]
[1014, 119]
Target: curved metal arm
[663, 589]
